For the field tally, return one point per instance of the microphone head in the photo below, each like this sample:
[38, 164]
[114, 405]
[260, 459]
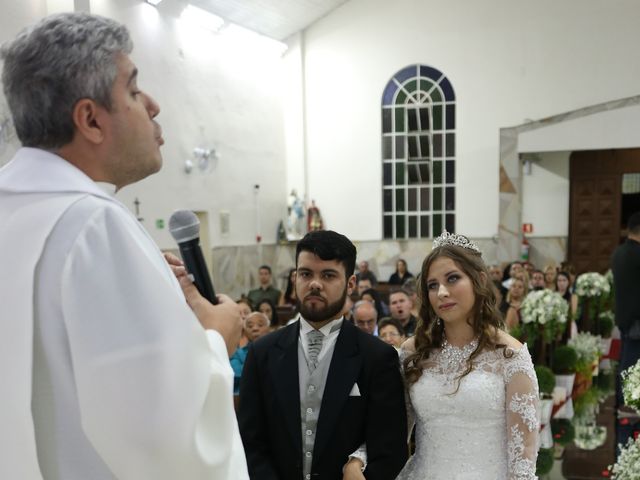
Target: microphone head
[184, 226]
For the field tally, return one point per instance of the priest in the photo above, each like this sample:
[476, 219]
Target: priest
[106, 371]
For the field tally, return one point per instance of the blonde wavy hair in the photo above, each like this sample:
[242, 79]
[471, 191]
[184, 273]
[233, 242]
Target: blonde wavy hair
[486, 320]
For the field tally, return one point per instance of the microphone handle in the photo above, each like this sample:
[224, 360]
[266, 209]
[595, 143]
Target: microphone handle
[194, 262]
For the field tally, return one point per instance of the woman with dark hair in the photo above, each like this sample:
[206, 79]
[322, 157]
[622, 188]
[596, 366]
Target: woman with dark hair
[472, 388]
[288, 297]
[401, 274]
[267, 307]
[563, 287]
[373, 296]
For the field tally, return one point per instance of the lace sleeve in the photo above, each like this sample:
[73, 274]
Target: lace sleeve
[411, 415]
[521, 410]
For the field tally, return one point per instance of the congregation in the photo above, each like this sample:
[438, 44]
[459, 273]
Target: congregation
[389, 309]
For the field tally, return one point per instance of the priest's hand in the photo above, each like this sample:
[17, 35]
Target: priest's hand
[224, 318]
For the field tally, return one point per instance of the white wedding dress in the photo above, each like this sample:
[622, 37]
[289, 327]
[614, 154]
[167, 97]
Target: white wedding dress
[487, 430]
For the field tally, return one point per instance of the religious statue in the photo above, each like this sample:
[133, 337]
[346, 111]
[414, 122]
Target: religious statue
[314, 218]
[295, 223]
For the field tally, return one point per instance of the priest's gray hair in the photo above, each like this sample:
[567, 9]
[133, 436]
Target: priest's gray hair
[52, 65]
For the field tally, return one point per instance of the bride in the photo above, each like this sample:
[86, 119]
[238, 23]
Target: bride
[472, 389]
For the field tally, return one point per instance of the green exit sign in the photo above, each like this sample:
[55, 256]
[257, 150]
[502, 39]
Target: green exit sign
[160, 223]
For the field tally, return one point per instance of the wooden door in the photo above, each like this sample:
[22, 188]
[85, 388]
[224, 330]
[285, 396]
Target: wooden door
[595, 205]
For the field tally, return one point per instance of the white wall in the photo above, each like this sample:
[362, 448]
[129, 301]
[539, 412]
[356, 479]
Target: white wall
[545, 191]
[294, 116]
[508, 61]
[545, 194]
[13, 16]
[211, 94]
[618, 128]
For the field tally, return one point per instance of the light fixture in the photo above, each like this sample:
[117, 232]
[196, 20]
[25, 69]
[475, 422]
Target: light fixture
[153, 2]
[202, 18]
[204, 159]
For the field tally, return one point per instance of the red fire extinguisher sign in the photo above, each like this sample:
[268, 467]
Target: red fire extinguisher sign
[527, 228]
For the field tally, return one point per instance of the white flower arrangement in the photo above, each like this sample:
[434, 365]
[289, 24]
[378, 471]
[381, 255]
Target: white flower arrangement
[628, 465]
[543, 306]
[543, 312]
[590, 437]
[587, 347]
[592, 284]
[631, 386]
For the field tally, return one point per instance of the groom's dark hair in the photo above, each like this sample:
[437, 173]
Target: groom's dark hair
[329, 245]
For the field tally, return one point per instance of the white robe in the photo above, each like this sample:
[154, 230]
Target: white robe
[105, 371]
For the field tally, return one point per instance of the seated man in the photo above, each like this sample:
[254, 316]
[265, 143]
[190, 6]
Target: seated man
[537, 280]
[363, 271]
[364, 283]
[365, 317]
[400, 305]
[265, 290]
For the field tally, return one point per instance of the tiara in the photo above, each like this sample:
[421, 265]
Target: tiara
[447, 238]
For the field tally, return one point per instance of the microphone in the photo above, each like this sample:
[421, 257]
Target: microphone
[185, 229]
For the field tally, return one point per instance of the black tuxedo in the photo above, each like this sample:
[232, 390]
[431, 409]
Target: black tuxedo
[269, 412]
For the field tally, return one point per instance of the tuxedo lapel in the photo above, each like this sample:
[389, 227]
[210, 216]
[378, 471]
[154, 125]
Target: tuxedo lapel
[343, 373]
[283, 367]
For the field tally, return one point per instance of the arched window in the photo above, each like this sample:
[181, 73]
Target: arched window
[418, 154]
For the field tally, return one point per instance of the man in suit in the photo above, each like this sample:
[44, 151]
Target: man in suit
[315, 392]
[625, 266]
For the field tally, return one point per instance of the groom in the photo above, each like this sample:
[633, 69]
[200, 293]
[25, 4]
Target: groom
[313, 392]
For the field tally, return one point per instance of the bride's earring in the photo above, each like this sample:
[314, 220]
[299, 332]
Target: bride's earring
[439, 322]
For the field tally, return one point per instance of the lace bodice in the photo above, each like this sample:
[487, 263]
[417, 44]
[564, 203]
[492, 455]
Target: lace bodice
[487, 429]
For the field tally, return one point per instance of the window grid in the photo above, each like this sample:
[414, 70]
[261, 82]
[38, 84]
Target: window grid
[418, 154]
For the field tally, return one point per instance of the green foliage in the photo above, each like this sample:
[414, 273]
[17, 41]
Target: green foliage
[606, 380]
[563, 431]
[546, 379]
[584, 404]
[564, 361]
[545, 461]
[605, 326]
[517, 332]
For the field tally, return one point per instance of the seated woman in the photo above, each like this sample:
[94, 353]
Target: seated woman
[563, 287]
[515, 296]
[550, 273]
[269, 309]
[390, 331]
[256, 325]
[401, 274]
[288, 297]
[245, 310]
[373, 296]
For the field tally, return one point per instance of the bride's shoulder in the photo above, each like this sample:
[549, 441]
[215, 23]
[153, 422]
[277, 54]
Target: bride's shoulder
[515, 357]
[409, 345]
[503, 338]
[511, 350]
